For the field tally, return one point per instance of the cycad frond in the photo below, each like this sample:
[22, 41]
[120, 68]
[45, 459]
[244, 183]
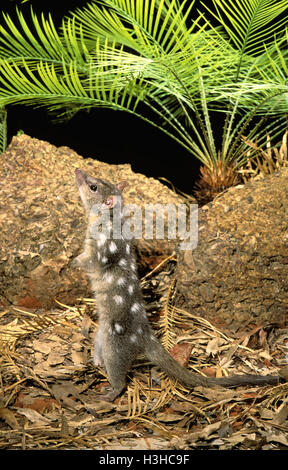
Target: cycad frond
[148, 27]
[251, 23]
[117, 53]
[20, 44]
[43, 85]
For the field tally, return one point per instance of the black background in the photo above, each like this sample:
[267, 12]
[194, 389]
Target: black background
[107, 135]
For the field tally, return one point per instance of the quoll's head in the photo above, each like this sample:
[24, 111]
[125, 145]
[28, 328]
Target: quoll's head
[95, 191]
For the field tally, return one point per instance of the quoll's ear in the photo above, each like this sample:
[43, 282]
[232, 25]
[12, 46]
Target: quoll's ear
[110, 201]
[122, 185]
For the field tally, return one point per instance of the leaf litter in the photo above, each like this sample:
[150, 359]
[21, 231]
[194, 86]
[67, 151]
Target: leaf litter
[49, 387]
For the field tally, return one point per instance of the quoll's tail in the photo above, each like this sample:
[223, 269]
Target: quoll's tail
[160, 357]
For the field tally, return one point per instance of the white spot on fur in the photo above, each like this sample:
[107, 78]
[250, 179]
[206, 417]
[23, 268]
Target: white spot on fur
[113, 247]
[128, 249]
[119, 328]
[118, 299]
[108, 278]
[104, 259]
[122, 262]
[135, 307]
[98, 255]
[131, 289]
[121, 281]
[140, 331]
[133, 266]
[101, 240]
[133, 338]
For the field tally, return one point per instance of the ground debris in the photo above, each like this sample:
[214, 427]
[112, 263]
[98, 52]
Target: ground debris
[237, 274]
[51, 389]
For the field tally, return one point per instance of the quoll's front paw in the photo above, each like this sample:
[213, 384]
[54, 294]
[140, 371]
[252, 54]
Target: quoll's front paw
[75, 263]
[85, 262]
[79, 261]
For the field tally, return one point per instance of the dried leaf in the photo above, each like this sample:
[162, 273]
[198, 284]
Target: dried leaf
[214, 345]
[277, 437]
[76, 346]
[181, 353]
[44, 371]
[9, 417]
[151, 443]
[37, 404]
[42, 346]
[284, 373]
[54, 358]
[228, 356]
[85, 326]
[266, 355]
[263, 338]
[217, 394]
[267, 414]
[64, 426]
[181, 406]
[169, 417]
[206, 432]
[100, 406]
[78, 357]
[281, 414]
[209, 371]
[64, 390]
[33, 416]
[29, 301]
[80, 421]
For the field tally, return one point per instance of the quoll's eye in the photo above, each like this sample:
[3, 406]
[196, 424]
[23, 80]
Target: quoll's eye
[93, 187]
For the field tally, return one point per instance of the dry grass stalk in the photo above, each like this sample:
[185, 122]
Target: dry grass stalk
[265, 162]
[166, 319]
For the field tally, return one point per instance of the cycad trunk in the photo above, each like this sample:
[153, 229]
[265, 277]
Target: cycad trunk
[214, 180]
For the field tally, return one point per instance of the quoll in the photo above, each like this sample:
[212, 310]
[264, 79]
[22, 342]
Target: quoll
[124, 331]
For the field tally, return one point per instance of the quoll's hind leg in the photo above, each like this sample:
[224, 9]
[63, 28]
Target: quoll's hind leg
[117, 366]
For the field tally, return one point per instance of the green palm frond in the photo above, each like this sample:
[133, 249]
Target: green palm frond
[272, 70]
[20, 44]
[148, 27]
[118, 53]
[68, 91]
[251, 24]
[251, 29]
[45, 86]
[110, 77]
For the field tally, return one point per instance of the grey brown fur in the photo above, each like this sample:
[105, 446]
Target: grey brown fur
[124, 332]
